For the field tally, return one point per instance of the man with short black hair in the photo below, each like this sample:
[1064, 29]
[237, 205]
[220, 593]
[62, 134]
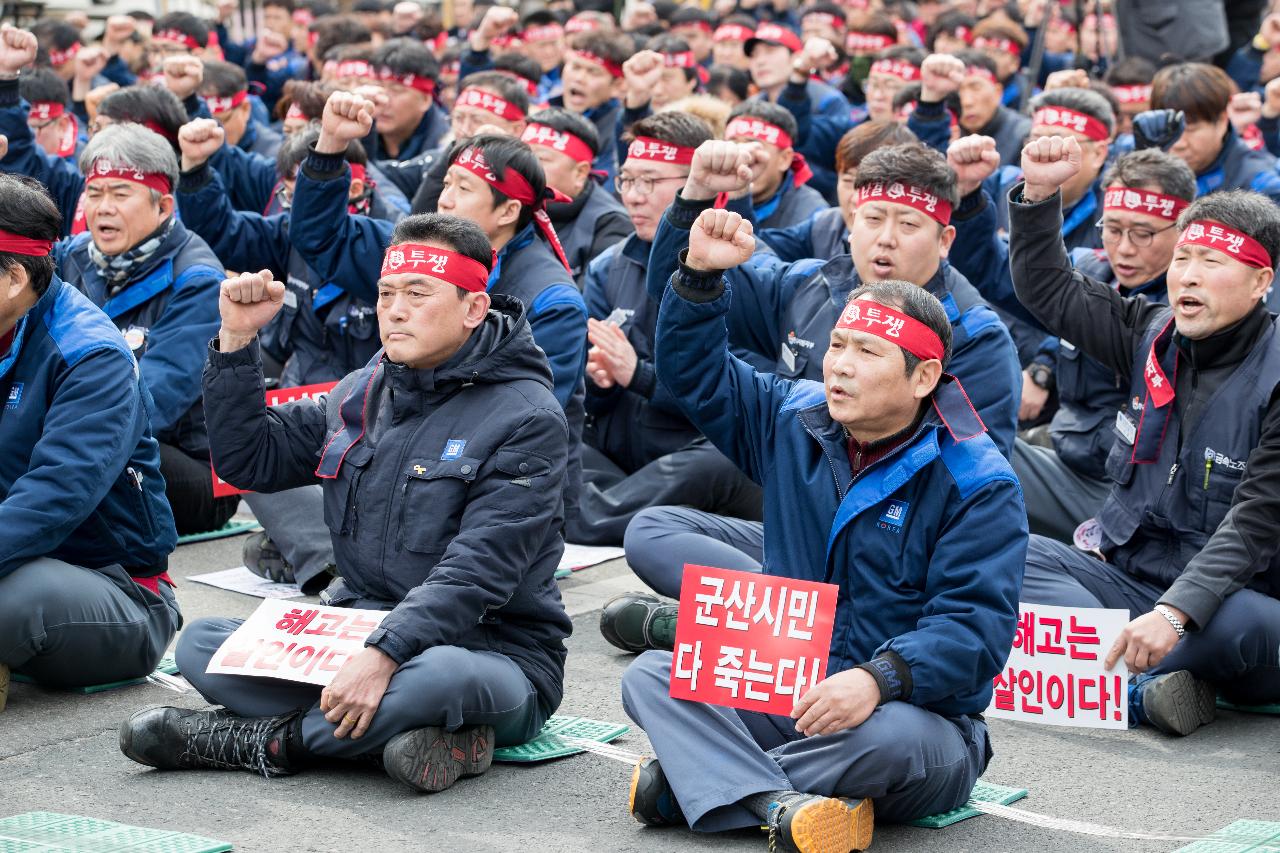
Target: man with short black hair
[779, 194]
[51, 120]
[410, 122]
[460, 437]
[592, 84]
[566, 144]
[1186, 539]
[1088, 118]
[927, 608]
[225, 91]
[695, 26]
[84, 594]
[982, 112]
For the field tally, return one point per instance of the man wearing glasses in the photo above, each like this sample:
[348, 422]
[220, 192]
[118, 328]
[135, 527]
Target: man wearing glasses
[638, 449]
[1064, 484]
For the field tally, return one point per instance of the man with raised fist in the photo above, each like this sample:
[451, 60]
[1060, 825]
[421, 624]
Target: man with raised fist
[1185, 541]
[442, 463]
[927, 610]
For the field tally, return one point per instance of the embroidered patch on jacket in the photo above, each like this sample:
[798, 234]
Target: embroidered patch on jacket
[894, 515]
[453, 449]
[15, 396]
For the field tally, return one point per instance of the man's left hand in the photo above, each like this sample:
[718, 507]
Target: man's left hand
[352, 698]
[1145, 641]
[841, 701]
[183, 75]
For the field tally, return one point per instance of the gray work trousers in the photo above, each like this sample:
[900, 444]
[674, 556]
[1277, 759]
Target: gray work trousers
[68, 626]
[1057, 497]
[909, 761]
[444, 686]
[294, 520]
[661, 540]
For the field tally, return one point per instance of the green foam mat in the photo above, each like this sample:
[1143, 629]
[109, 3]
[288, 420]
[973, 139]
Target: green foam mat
[1249, 709]
[983, 792]
[167, 665]
[550, 741]
[231, 528]
[1242, 836]
[50, 832]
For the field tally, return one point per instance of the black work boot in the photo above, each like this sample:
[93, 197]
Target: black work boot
[652, 802]
[178, 739]
[263, 558]
[638, 621]
[432, 759]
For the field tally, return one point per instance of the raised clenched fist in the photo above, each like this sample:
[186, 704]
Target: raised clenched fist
[17, 49]
[719, 240]
[347, 116]
[183, 75]
[641, 73]
[1047, 163]
[973, 159]
[199, 140]
[940, 75]
[721, 167]
[247, 303]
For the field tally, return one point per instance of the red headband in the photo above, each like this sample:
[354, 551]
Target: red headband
[177, 37]
[425, 85]
[515, 185]
[1007, 45]
[779, 35]
[647, 148]
[964, 34]
[102, 170]
[46, 110]
[901, 70]
[754, 128]
[856, 40]
[863, 315]
[697, 25]
[911, 196]
[579, 24]
[16, 244]
[613, 68]
[1072, 120]
[565, 143]
[836, 23]
[302, 17]
[546, 32]
[217, 104]
[530, 86]
[420, 259]
[355, 68]
[680, 59]
[1232, 243]
[295, 111]
[490, 103]
[1134, 94]
[1124, 199]
[732, 32]
[980, 73]
[58, 57]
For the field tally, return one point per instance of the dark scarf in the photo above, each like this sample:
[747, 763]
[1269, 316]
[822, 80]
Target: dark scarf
[118, 270]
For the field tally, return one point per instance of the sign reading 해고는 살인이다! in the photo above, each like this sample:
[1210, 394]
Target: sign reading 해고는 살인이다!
[295, 642]
[750, 641]
[1055, 673]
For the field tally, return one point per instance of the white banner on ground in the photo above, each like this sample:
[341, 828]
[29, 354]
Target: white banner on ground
[240, 579]
[581, 556]
[1055, 672]
[306, 643]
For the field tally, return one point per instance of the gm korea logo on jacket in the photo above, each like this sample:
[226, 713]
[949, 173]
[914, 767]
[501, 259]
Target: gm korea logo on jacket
[894, 515]
[15, 396]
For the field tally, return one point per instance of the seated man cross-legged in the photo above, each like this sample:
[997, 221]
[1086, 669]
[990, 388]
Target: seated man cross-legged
[442, 463]
[927, 605]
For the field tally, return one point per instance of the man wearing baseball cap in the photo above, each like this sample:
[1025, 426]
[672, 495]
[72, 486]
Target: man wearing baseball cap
[925, 547]
[454, 430]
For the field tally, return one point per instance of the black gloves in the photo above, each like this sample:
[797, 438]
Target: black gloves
[1158, 129]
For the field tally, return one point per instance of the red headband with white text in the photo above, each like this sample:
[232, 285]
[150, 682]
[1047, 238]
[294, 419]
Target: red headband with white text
[863, 315]
[420, 259]
[1232, 243]
[937, 209]
[1127, 200]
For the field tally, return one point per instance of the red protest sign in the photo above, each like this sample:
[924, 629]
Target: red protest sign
[275, 397]
[750, 641]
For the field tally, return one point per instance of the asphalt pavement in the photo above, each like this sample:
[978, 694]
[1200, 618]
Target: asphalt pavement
[58, 752]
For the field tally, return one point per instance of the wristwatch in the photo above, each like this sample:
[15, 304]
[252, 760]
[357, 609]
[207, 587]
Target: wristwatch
[1041, 375]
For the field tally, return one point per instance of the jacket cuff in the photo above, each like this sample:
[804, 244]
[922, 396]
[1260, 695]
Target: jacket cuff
[1197, 602]
[970, 206]
[1035, 216]
[930, 110]
[892, 675]
[697, 285]
[645, 379]
[324, 167]
[9, 96]
[248, 356]
[390, 645]
[195, 180]
[684, 212]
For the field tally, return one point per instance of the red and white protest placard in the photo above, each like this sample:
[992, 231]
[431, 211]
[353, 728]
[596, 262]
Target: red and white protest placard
[1055, 671]
[750, 641]
[295, 642]
[275, 397]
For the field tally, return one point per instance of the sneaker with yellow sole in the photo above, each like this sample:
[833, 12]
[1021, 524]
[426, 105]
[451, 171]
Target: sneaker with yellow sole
[812, 824]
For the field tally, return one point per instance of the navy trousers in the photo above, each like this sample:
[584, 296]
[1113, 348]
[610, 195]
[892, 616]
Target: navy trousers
[1239, 650]
[661, 540]
[909, 761]
[444, 686]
